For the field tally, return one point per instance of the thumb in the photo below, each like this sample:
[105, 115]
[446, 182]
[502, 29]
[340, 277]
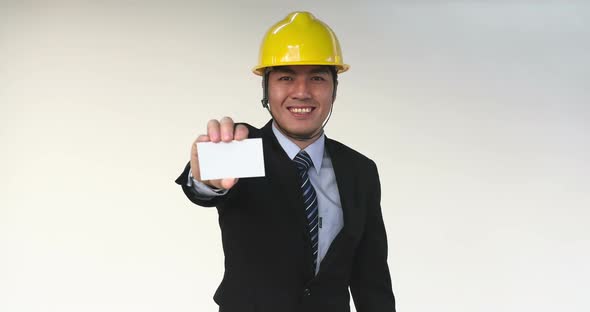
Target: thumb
[195, 170]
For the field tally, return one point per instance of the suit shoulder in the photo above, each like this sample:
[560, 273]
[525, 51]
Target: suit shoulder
[335, 147]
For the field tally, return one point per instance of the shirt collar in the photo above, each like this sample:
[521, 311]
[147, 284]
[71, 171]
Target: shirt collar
[315, 149]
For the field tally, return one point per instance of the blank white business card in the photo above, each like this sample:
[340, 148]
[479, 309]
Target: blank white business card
[236, 159]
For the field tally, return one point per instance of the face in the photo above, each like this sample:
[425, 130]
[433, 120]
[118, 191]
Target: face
[300, 97]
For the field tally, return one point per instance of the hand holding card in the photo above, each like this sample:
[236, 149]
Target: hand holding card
[219, 132]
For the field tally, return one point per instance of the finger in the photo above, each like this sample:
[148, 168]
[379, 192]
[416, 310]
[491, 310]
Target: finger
[213, 183]
[224, 184]
[227, 129]
[213, 130]
[228, 183]
[195, 169]
[241, 132]
[200, 138]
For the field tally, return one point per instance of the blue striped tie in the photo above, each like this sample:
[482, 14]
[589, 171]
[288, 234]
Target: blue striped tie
[310, 201]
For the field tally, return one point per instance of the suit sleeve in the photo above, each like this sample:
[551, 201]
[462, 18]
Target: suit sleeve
[370, 279]
[190, 192]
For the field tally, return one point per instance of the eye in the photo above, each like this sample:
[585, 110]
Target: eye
[318, 78]
[285, 78]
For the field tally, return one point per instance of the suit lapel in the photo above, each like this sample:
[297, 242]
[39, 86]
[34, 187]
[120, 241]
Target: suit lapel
[280, 170]
[283, 181]
[352, 227]
[346, 181]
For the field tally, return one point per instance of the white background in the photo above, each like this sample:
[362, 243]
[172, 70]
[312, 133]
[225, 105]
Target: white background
[476, 112]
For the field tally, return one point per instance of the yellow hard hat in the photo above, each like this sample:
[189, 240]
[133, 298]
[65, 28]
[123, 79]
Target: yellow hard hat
[300, 39]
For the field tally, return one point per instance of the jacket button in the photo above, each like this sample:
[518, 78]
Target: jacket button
[307, 292]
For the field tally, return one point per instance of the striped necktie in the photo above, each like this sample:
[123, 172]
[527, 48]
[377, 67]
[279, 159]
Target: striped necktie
[310, 201]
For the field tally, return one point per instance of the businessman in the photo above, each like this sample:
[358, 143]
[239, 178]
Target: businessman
[310, 232]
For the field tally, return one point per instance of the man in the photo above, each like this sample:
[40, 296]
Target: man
[300, 237]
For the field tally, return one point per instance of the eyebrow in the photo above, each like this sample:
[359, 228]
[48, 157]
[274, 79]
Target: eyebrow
[282, 69]
[319, 70]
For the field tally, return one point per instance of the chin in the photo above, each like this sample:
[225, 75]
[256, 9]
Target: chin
[302, 132]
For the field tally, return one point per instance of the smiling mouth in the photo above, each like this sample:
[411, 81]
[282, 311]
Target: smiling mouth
[301, 110]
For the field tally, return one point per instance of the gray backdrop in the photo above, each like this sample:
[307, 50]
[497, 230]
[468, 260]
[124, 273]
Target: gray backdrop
[476, 113]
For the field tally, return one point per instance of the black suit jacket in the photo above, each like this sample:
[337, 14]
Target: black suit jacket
[268, 258]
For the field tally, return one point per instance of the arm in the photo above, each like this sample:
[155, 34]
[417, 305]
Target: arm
[203, 190]
[196, 194]
[208, 193]
[370, 283]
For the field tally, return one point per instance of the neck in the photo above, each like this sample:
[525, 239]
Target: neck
[300, 141]
[302, 144]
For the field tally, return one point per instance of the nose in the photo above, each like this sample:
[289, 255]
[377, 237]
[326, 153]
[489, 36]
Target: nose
[300, 90]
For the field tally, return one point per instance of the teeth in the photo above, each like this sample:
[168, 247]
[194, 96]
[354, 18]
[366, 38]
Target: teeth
[301, 110]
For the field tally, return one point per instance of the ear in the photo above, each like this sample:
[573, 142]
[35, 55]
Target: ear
[264, 100]
[334, 91]
[334, 72]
